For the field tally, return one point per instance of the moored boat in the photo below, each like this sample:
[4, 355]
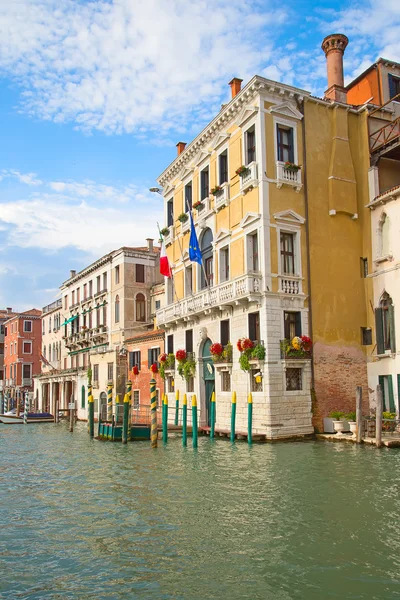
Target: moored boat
[11, 418]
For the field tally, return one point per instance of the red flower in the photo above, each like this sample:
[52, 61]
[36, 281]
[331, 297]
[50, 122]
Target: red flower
[216, 349]
[135, 370]
[162, 358]
[180, 355]
[247, 344]
[239, 345]
[305, 339]
[154, 368]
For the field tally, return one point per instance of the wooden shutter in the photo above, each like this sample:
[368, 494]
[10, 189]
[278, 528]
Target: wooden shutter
[380, 348]
[139, 359]
[291, 147]
[392, 407]
[130, 360]
[392, 86]
[298, 324]
[157, 352]
[392, 329]
[278, 139]
[149, 358]
[381, 380]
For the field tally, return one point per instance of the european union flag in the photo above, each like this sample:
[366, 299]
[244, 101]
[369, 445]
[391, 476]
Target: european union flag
[194, 248]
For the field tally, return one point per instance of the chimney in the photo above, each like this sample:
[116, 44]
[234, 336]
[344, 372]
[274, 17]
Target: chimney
[9, 309]
[181, 146]
[149, 244]
[72, 273]
[334, 46]
[236, 85]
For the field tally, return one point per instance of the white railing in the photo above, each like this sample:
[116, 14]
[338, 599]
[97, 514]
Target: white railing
[204, 209]
[290, 285]
[244, 287]
[249, 178]
[185, 226]
[26, 382]
[221, 199]
[100, 350]
[169, 237]
[288, 176]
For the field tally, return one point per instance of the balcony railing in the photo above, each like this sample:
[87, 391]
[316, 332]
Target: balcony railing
[383, 136]
[52, 306]
[288, 176]
[104, 291]
[185, 226]
[100, 349]
[27, 382]
[221, 198]
[249, 178]
[290, 353]
[247, 287]
[290, 285]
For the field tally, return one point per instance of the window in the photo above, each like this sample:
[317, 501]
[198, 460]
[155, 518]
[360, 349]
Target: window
[189, 340]
[384, 323]
[27, 348]
[90, 320]
[224, 332]
[90, 288]
[104, 281]
[110, 371]
[250, 141]
[116, 273]
[44, 351]
[293, 378]
[98, 283]
[169, 290]
[291, 324]
[170, 383]
[116, 315]
[134, 359]
[84, 291]
[252, 252]
[394, 86]
[285, 143]
[204, 184]
[28, 326]
[85, 359]
[364, 267]
[386, 383]
[152, 355]
[223, 167]
[207, 254]
[254, 326]
[287, 253]
[136, 398]
[96, 373]
[49, 324]
[43, 326]
[256, 380]
[224, 264]
[157, 304]
[188, 199]
[170, 213]
[189, 280]
[1, 348]
[65, 302]
[190, 384]
[139, 274]
[73, 298]
[366, 336]
[104, 315]
[140, 308]
[26, 371]
[78, 295]
[15, 347]
[170, 344]
[225, 381]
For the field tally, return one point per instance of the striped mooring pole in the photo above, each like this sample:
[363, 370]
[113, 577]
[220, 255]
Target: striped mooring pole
[2, 398]
[109, 402]
[125, 419]
[184, 420]
[26, 408]
[165, 419]
[176, 407]
[90, 410]
[233, 417]
[153, 403]
[212, 416]
[194, 421]
[250, 418]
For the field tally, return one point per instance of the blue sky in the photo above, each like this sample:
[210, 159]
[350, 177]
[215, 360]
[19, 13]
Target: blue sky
[95, 95]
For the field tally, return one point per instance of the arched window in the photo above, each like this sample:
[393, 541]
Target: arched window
[207, 255]
[384, 322]
[140, 308]
[117, 309]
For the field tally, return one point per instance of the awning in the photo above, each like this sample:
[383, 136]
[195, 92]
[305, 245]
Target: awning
[69, 320]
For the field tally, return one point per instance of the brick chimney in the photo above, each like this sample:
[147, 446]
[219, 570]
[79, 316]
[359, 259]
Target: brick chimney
[9, 309]
[150, 244]
[334, 46]
[236, 85]
[72, 273]
[181, 146]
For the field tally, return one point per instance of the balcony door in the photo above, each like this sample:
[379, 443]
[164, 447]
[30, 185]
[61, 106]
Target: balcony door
[207, 256]
[209, 378]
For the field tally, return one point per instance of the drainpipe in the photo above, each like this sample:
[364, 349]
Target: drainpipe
[300, 106]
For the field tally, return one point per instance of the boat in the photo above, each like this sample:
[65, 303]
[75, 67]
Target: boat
[11, 418]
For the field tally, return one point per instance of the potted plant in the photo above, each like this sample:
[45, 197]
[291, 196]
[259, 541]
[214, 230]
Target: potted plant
[351, 419]
[217, 190]
[183, 217]
[186, 364]
[216, 351]
[154, 368]
[164, 231]
[198, 205]
[338, 421]
[258, 352]
[289, 166]
[242, 170]
[245, 347]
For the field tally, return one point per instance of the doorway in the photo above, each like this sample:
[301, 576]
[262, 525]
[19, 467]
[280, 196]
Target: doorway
[209, 378]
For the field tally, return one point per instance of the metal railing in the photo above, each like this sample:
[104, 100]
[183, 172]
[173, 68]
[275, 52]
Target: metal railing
[383, 136]
[390, 427]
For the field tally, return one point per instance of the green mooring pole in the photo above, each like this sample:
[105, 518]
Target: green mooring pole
[250, 418]
[91, 410]
[212, 416]
[176, 407]
[184, 421]
[194, 421]
[165, 419]
[233, 416]
[125, 420]
[153, 403]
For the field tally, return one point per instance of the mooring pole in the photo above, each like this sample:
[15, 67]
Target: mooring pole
[359, 424]
[184, 421]
[212, 416]
[379, 410]
[195, 432]
[250, 418]
[26, 408]
[233, 417]
[2, 402]
[165, 419]
[153, 402]
[109, 402]
[125, 420]
[71, 414]
[91, 410]
[176, 407]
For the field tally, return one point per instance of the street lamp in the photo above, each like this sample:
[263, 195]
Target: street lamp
[156, 190]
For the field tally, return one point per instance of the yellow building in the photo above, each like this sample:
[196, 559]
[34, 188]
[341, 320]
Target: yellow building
[278, 182]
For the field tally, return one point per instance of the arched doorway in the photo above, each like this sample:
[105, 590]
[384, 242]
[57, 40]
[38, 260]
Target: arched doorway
[103, 406]
[209, 377]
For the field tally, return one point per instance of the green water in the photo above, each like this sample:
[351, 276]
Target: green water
[87, 519]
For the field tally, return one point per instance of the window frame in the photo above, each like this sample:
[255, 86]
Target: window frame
[139, 274]
[277, 121]
[297, 250]
[205, 168]
[224, 264]
[169, 217]
[29, 342]
[187, 201]
[224, 152]
[245, 145]
[25, 323]
[142, 320]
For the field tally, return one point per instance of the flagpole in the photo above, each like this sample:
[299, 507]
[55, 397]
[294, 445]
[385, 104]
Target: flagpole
[202, 264]
[170, 270]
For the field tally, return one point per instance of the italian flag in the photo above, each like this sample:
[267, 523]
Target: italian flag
[165, 269]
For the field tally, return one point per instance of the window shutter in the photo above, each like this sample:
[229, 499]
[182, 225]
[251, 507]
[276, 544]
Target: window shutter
[149, 358]
[392, 86]
[298, 324]
[380, 349]
[157, 353]
[392, 407]
[291, 148]
[139, 359]
[381, 381]
[392, 329]
[278, 139]
[130, 360]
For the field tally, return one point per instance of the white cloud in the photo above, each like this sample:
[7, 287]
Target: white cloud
[131, 66]
[27, 178]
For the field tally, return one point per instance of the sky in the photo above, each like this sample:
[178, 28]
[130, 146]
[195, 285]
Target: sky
[95, 96]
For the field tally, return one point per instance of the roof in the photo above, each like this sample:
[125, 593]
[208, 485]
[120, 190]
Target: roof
[146, 335]
[32, 312]
[370, 68]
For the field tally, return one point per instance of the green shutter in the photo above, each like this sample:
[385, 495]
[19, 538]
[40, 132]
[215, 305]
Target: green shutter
[149, 358]
[380, 348]
[392, 407]
[392, 329]
[382, 384]
[130, 361]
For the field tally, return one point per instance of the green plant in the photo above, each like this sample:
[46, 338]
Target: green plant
[164, 231]
[337, 415]
[258, 352]
[169, 363]
[242, 170]
[351, 416]
[388, 415]
[183, 217]
[227, 352]
[244, 361]
[187, 368]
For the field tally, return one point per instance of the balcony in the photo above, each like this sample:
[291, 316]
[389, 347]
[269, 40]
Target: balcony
[246, 288]
[290, 353]
[97, 294]
[185, 226]
[385, 137]
[249, 178]
[10, 382]
[290, 284]
[288, 176]
[169, 237]
[100, 350]
[221, 198]
[52, 306]
[27, 382]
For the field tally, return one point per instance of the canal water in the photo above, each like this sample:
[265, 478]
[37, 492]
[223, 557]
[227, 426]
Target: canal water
[87, 519]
